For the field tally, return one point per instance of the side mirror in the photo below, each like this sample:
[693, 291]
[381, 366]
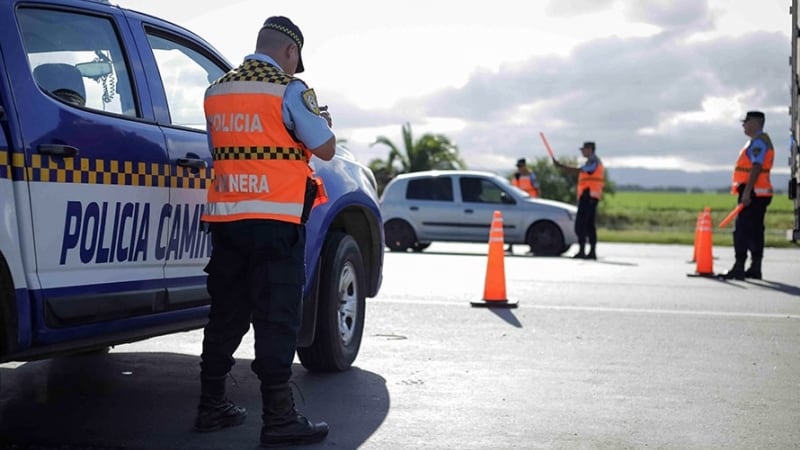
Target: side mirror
[507, 199]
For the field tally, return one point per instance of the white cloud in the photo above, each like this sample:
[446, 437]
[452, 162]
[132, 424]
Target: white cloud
[654, 82]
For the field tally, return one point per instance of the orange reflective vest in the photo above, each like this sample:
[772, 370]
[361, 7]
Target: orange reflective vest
[524, 182]
[593, 181]
[260, 170]
[741, 172]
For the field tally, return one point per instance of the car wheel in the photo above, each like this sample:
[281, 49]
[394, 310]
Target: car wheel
[340, 307]
[418, 247]
[399, 235]
[545, 239]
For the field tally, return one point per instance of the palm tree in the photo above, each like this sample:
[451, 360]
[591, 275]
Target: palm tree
[431, 151]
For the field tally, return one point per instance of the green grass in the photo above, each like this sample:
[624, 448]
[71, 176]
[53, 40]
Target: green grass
[671, 218]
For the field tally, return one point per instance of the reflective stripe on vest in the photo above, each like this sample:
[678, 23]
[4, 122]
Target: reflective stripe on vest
[593, 181]
[260, 170]
[741, 172]
[524, 183]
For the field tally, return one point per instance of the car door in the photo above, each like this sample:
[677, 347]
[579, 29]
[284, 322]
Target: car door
[432, 208]
[479, 198]
[96, 168]
[179, 70]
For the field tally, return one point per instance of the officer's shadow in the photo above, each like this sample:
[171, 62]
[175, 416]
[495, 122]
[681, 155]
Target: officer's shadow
[777, 286]
[149, 400]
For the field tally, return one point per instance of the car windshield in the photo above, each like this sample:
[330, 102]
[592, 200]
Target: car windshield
[514, 188]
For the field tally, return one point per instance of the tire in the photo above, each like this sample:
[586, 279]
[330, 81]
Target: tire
[418, 247]
[340, 307]
[399, 235]
[545, 239]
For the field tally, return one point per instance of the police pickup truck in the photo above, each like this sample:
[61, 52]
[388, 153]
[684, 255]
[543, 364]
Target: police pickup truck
[104, 166]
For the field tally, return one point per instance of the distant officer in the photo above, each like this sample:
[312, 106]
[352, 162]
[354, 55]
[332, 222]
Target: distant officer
[752, 184]
[524, 179]
[264, 125]
[591, 179]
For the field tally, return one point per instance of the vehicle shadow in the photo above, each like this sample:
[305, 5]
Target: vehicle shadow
[148, 401]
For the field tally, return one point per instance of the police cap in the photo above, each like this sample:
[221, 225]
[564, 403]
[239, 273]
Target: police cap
[287, 27]
[521, 162]
[753, 115]
[588, 144]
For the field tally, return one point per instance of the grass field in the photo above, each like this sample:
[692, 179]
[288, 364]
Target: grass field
[669, 217]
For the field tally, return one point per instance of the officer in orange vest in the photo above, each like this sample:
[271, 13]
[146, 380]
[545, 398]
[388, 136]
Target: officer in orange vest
[524, 179]
[591, 179]
[752, 185]
[264, 125]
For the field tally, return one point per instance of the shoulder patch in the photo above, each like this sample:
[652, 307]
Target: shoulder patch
[310, 100]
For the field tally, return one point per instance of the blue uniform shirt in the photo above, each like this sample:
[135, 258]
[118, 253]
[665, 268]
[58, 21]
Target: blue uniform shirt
[534, 181]
[310, 128]
[757, 149]
[590, 165]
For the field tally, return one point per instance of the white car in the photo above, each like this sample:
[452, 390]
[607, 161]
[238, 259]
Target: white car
[458, 205]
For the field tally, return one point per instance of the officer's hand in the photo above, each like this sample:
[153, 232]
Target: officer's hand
[323, 112]
[746, 198]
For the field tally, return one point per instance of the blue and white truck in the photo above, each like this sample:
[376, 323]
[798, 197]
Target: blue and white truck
[104, 166]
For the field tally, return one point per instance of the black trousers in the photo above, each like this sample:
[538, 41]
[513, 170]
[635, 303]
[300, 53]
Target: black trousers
[748, 233]
[255, 275]
[585, 220]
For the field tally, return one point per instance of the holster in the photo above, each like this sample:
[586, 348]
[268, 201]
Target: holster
[308, 200]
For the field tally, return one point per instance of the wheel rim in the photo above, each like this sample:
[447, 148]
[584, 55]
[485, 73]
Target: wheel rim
[348, 303]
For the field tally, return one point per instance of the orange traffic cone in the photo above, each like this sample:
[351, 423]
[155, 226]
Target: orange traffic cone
[494, 291]
[705, 260]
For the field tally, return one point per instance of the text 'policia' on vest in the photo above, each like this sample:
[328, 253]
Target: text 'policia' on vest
[260, 170]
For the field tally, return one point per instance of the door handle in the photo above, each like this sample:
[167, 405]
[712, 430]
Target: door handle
[67, 151]
[193, 163]
[469, 211]
[414, 208]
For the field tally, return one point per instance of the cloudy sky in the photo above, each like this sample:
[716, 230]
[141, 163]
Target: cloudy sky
[656, 83]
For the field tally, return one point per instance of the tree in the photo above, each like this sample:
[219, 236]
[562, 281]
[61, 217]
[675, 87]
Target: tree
[430, 152]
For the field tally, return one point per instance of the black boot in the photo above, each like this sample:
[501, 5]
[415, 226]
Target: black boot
[283, 425]
[736, 272]
[754, 271]
[215, 411]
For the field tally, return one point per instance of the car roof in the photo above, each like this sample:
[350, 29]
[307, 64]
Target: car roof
[437, 173]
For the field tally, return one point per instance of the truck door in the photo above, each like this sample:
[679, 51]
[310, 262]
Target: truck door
[179, 70]
[96, 166]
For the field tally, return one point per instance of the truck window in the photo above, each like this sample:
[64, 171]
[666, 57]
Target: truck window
[185, 74]
[77, 59]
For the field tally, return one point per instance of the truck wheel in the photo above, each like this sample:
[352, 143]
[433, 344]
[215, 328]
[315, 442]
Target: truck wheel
[340, 307]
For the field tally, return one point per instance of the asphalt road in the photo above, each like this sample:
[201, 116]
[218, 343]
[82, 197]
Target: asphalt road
[624, 352]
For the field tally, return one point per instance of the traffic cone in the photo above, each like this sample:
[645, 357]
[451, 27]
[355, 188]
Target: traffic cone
[494, 290]
[705, 260]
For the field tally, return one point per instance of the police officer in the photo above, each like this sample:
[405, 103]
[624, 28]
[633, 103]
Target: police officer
[264, 125]
[752, 185]
[591, 179]
[524, 179]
